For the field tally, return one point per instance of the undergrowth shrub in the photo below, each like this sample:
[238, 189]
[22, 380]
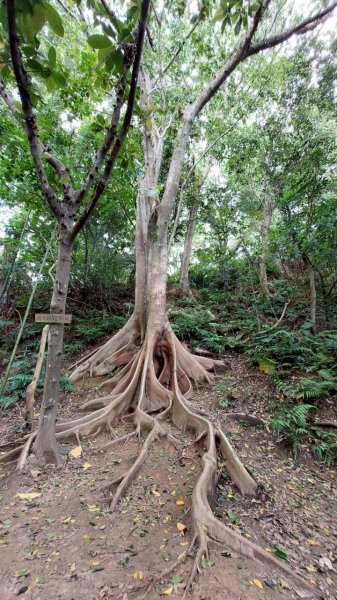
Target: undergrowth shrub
[291, 423]
[20, 378]
[198, 326]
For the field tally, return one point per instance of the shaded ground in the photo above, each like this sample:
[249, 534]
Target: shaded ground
[65, 543]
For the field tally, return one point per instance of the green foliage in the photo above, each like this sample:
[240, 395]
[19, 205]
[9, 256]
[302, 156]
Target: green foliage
[99, 326]
[290, 424]
[21, 377]
[325, 446]
[198, 326]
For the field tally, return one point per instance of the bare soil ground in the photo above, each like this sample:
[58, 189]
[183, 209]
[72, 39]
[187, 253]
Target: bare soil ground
[64, 542]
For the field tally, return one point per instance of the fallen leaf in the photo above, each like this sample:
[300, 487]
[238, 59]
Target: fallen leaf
[183, 543]
[325, 562]
[280, 553]
[86, 538]
[180, 503]
[311, 569]
[87, 465]
[96, 566]
[176, 580]
[168, 591]
[28, 495]
[257, 582]
[155, 492]
[284, 585]
[181, 528]
[22, 573]
[76, 452]
[93, 508]
[313, 542]
[138, 575]
[22, 590]
[68, 520]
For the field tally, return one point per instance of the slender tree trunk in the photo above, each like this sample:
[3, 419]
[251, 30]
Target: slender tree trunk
[312, 298]
[267, 208]
[45, 443]
[8, 279]
[186, 256]
[31, 387]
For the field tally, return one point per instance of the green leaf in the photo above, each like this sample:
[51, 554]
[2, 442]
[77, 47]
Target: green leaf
[280, 553]
[54, 20]
[115, 61]
[59, 79]
[219, 15]
[22, 590]
[22, 573]
[98, 41]
[52, 57]
[103, 53]
[267, 365]
[55, 81]
[37, 20]
[238, 27]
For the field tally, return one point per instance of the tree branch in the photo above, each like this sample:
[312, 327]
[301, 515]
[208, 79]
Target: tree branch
[180, 47]
[7, 98]
[306, 25]
[102, 183]
[27, 108]
[52, 160]
[108, 140]
[238, 55]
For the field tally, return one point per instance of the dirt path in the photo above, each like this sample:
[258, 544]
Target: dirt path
[64, 543]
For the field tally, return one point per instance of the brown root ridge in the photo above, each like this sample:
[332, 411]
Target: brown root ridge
[152, 382]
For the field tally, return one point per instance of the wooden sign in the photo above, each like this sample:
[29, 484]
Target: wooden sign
[51, 318]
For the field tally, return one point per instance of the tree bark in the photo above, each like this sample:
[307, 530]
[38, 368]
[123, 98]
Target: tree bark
[267, 212]
[186, 256]
[45, 443]
[31, 387]
[312, 299]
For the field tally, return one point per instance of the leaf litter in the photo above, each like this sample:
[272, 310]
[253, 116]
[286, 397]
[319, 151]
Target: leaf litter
[75, 541]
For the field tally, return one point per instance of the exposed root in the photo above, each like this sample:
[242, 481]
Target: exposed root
[24, 453]
[133, 471]
[166, 572]
[121, 440]
[11, 454]
[332, 424]
[152, 385]
[252, 419]
[112, 484]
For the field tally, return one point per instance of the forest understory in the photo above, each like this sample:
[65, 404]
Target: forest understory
[65, 542]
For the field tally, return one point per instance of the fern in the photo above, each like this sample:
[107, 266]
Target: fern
[290, 423]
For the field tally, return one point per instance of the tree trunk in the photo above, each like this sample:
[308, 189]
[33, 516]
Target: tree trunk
[312, 299]
[31, 387]
[267, 209]
[45, 443]
[186, 256]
